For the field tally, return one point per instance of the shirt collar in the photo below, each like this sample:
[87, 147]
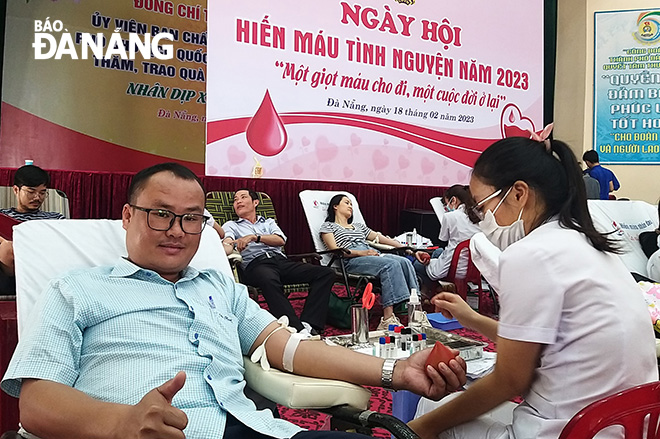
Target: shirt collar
[260, 219]
[32, 212]
[125, 268]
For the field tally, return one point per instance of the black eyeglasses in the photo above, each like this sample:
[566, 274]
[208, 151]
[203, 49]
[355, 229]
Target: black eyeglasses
[163, 220]
[33, 193]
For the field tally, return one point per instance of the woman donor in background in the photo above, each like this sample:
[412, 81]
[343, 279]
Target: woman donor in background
[396, 273]
[573, 326]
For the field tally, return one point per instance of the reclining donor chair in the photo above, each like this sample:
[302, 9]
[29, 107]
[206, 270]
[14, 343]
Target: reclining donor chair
[315, 206]
[45, 249]
[220, 205]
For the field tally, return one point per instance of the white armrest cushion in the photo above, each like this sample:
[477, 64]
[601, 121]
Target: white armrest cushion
[234, 258]
[299, 392]
[379, 246]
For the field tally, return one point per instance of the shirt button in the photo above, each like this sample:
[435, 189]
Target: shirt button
[192, 308]
[209, 377]
[196, 335]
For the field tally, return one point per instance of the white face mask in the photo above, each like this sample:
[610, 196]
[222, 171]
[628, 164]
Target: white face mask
[502, 236]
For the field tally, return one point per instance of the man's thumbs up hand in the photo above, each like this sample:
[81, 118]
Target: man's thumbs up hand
[154, 417]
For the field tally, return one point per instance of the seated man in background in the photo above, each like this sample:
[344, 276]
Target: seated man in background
[31, 189]
[606, 178]
[151, 347]
[260, 241]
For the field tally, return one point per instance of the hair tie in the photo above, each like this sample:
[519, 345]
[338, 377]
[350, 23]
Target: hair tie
[542, 136]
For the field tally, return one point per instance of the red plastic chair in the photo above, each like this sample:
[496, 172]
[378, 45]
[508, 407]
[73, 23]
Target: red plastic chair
[628, 408]
[472, 274]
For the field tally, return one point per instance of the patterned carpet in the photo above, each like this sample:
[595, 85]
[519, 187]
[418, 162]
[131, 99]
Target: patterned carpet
[381, 400]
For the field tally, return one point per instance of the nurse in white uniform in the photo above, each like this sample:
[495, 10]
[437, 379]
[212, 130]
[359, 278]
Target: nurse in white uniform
[573, 326]
[455, 227]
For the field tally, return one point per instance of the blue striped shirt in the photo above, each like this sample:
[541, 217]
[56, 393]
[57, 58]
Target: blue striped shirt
[117, 332]
[29, 216]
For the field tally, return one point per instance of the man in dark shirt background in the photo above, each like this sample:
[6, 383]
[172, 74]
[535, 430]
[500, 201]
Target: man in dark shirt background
[606, 178]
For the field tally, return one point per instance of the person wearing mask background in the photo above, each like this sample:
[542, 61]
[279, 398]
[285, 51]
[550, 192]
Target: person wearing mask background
[455, 227]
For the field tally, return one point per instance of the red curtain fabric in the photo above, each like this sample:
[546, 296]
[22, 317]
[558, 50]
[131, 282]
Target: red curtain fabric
[102, 195]
[8, 341]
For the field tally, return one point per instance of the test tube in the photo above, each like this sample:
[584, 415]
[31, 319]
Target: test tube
[397, 337]
[414, 345]
[406, 338]
[380, 347]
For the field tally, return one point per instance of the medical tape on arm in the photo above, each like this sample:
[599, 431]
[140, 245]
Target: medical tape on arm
[290, 351]
[259, 353]
[292, 346]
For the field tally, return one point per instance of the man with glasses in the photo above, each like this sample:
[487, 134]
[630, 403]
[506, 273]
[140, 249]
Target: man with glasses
[151, 347]
[31, 190]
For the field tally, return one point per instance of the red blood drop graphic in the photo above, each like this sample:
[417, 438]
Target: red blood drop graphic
[514, 131]
[265, 132]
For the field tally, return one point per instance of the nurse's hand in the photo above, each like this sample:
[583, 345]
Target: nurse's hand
[412, 374]
[453, 306]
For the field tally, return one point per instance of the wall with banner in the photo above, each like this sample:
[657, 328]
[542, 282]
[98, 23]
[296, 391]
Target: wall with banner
[627, 86]
[399, 92]
[390, 91]
[574, 97]
[103, 114]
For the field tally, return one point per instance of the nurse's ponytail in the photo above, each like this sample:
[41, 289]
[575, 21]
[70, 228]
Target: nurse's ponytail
[574, 212]
[551, 169]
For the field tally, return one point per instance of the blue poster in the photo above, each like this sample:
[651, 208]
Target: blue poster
[627, 86]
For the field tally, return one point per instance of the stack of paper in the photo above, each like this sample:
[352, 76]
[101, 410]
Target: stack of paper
[482, 366]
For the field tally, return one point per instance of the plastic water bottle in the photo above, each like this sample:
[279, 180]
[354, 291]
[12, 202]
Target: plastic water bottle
[414, 310]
